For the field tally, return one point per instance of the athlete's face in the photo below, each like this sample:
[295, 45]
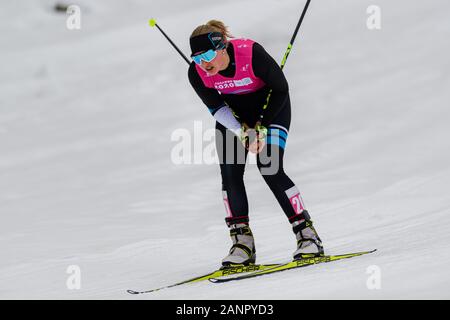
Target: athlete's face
[219, 63]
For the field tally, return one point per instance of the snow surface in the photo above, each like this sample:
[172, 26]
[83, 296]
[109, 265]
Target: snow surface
[86, 176]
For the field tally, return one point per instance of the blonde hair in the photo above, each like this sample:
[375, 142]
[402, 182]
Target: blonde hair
[212, 26]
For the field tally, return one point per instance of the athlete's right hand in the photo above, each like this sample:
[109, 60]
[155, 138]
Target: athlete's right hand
[259, 141]
[253, 139]
[244, 135]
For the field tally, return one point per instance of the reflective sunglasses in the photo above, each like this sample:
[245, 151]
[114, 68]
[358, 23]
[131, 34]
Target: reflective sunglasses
[208, 56]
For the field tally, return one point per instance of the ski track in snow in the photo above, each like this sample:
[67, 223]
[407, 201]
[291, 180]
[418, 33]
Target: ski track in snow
[86, 176]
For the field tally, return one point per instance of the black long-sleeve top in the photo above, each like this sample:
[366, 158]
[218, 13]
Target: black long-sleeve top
[248, 107]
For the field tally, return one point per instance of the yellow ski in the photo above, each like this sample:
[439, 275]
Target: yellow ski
[224, 271]
[291, 265]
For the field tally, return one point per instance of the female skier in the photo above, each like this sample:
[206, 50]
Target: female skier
[233, 78]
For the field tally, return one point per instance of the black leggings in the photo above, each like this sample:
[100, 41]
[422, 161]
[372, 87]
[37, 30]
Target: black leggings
[232, 157]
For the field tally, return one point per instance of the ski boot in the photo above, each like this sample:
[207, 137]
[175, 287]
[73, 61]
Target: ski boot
[243, 250]
[308, 242]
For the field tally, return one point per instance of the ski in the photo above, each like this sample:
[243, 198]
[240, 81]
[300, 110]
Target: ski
[224, 271]
[291, 265]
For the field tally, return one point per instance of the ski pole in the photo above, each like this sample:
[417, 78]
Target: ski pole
[291, 43]
[152, 23]
[288, 50]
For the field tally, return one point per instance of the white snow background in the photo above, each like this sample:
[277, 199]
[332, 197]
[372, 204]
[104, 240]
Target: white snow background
[86, 176]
